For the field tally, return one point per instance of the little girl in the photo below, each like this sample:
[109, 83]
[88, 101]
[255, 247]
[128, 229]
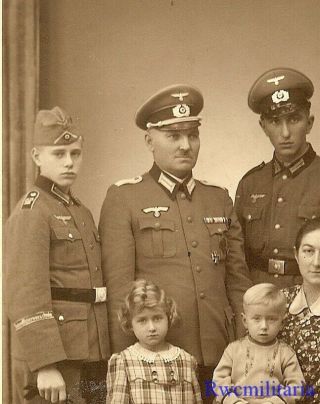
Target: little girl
[151, 371]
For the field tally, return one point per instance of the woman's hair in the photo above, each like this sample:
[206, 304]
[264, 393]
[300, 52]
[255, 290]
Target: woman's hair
[145, 294]
[307, 227]
[265, 294]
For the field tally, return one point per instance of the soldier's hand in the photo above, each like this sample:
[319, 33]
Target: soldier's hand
[51, 385]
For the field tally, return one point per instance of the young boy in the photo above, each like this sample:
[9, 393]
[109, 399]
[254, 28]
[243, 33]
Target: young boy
[55, 291]
[258, 368]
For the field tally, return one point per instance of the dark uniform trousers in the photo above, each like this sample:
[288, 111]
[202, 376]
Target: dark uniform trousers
[272, 202]
[51, 241]
[186, 239]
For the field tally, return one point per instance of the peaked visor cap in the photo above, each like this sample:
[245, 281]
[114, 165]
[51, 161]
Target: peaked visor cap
[54, 128]
[170, 106]
[280, 91]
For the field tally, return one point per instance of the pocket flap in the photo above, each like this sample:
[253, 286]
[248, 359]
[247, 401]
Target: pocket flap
[156, 224]
[69, 311]
[229, 314]
[66, 233]
[309, 212]
[216, 228]
[252, 212]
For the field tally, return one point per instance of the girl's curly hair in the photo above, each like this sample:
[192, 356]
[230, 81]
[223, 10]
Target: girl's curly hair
[145, 294]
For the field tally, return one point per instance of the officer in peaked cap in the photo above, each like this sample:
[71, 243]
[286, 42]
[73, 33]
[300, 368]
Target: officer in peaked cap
[55, 290]
[274, 199]
[179, 232]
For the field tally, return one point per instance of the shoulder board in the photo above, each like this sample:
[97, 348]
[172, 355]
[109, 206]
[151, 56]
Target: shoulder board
[134, 180]
[211, 184]
[30, 199]
[256, 168]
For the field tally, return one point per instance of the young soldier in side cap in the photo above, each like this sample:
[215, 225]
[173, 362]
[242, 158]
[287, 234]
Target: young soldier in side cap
[56, 294]
[179, 232]
[274, 199]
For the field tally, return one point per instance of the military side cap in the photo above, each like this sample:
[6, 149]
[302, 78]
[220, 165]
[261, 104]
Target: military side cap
[54, 128]
[169, 106]
[280, 91]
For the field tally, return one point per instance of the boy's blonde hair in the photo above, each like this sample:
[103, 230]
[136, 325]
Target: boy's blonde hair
[145, 294]
[266, 294]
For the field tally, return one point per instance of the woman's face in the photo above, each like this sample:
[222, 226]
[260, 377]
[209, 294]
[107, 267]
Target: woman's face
[308, 258]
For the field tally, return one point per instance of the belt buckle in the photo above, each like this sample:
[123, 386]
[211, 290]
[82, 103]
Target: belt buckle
[276, 266]
[101, 294]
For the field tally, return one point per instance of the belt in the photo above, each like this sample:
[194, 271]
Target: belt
[95, 295]
[275, 266]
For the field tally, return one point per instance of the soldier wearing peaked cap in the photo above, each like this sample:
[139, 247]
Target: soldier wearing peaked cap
[179, 232]
[55, 290]
[273, 200]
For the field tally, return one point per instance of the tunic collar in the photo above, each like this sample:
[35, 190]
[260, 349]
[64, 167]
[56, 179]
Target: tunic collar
[295, 167]
[172, 185]
[149, 356]
[299, 303]
[53, 189]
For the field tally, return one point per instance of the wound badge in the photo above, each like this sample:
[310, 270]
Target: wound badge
[280, 96]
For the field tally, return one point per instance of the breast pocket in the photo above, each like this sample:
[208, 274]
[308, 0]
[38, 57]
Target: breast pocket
[156, 237]
[218, 240]
[67, 247]
[306, 212]
[253, 227]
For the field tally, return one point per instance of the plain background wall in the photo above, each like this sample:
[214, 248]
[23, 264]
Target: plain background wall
[100, 59]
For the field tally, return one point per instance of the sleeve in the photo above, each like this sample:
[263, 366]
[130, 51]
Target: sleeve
[117, 382]
[237, 273]
[27, 288]
[238, 203]
[118, 257]
[195, 383]
[221, 382]
[293, 380]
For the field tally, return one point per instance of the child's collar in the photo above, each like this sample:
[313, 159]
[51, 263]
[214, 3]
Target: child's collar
[149, 356]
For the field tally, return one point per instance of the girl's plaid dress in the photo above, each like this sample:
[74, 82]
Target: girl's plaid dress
[140, 376]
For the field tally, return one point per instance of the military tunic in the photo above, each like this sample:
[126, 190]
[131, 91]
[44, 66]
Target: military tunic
[181, 240]
[51, 241]
[272, 202]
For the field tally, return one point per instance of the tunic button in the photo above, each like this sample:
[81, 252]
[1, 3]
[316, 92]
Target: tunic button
[249, 217]
[97, 268]
[277, 226]
[275, 251]
[280, 199]
[91, 246]
[284, 177]
[61, 318]
[276, 275]
[83, 224]
[194, 243]
[313, 216]
[189, 219]
[202, 295]
[183, 195]
[198, 269]
[157, 226]
[70, 235]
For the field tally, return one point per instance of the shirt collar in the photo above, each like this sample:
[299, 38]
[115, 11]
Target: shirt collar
[170, 184]
[53, 189]
[149, 356]
[295, 167]
[299, 303]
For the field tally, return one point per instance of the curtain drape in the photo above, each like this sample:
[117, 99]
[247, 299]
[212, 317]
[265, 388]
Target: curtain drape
[20, 104]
